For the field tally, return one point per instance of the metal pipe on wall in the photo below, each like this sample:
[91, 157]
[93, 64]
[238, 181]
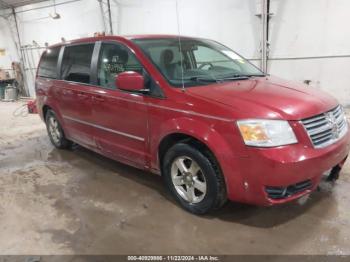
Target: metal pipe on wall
[110, 17]
[264, 32]
[106, 16]
[21, 53]
[102, 15]
[118, 16]
[301, 57]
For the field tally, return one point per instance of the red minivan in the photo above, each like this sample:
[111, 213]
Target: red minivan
[211, 123]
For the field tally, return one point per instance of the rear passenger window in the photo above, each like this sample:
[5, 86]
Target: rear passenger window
[48, 63]
[76, 63]
[113, 60]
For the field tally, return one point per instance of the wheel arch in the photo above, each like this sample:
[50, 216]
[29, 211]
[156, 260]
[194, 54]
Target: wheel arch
[179, 137]
[175, 138]
[51, 106]
[210, 136]
[45, 109]
[200, 133]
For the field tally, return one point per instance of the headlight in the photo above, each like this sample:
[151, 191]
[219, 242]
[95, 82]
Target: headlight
[266, 133]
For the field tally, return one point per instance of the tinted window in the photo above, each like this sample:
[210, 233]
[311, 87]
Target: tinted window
[115, 59]
[76, 63]
[48, 63]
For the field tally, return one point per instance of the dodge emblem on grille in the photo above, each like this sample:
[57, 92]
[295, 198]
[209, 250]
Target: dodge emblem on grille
[332, 121]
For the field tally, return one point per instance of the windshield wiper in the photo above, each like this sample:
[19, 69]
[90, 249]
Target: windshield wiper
[238, 77]
[202, 79]
[258, 75]
[213, 80]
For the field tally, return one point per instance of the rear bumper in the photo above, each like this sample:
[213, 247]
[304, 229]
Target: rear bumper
[284, 167]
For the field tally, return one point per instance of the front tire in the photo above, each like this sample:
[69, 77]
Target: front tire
[193, 178]
[55, 131]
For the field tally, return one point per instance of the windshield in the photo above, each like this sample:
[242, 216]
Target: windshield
[203, 61]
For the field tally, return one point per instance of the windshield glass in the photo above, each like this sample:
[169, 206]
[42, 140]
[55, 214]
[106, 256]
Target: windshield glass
[203, 61]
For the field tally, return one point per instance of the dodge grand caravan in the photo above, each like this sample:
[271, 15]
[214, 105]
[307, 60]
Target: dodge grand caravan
[211, 123]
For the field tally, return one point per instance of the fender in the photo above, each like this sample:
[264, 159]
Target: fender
[208, 135]
[46, 101]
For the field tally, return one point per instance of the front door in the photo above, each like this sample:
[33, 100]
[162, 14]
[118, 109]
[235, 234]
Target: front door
[121, 117]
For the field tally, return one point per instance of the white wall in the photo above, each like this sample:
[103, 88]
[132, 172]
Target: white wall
[306, 28]
[232, 22]
[7, 43]
[298, 28]
[78, 19]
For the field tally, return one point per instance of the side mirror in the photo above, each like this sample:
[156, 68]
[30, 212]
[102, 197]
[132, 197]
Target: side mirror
[130, 81]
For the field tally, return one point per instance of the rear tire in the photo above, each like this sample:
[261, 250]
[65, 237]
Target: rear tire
[55, 131]
[193, 178]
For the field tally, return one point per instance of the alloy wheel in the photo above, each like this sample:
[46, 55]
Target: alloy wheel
[188, 179]
[54, 130]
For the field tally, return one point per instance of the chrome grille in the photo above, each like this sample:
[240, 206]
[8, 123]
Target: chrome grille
[325, 129]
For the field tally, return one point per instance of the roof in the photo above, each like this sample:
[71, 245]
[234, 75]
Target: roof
[155, 36]
[115, 37]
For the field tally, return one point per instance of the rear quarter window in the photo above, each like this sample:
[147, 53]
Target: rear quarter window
[48, 63]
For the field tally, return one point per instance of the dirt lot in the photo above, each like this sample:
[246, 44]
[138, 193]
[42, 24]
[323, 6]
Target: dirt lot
[77, 202]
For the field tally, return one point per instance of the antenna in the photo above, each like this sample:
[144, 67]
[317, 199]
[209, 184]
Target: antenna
[180, 48]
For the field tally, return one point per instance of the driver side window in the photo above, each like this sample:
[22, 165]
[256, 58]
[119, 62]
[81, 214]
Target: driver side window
[113, 60]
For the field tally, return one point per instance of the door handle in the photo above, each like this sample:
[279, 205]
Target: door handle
[98, 98]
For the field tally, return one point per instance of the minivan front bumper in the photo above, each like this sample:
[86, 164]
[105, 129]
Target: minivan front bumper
[271, 176]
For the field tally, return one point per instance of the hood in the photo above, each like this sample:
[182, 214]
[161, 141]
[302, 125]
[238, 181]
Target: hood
[268, 97]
